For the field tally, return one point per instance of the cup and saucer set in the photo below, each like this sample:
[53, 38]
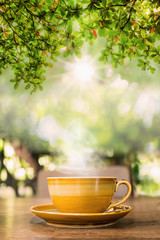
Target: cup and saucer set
[83, 202]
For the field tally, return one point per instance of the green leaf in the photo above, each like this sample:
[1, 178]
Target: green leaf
[71, 3]
[79, 43]
[27, 86]
[40, 88]
[66, 53]
[144, 68]
[152, 70]
[141, 46]
[69, 28]
[50, 64]
[113, 32]
[102, 32]
[101, 59]
[78, 54]
[157, 59]
[12, 80]
[16, 85]
[36, 80]
[143, 33]
[91, 42]
[123, 39]
[141, 63]
[151, 39]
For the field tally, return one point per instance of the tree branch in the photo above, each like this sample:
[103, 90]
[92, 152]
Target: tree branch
[121, 5]
[130, 13]
[156, 20]
[11, 27]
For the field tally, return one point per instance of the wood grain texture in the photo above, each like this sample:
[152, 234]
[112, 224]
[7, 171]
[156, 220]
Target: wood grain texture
[17, 222]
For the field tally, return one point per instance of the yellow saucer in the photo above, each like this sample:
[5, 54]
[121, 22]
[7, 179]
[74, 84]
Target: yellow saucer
[81, 220]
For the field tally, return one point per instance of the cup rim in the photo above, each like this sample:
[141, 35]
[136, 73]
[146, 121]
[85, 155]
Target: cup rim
[83, 177]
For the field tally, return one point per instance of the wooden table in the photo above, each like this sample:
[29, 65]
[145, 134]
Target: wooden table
[17, 222]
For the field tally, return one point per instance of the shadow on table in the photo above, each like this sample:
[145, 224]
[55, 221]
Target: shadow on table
[122, 224]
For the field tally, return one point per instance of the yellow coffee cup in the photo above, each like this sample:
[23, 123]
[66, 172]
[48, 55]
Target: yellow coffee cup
[85, 194]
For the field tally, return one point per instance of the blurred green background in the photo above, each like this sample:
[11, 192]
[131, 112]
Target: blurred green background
[88, 115]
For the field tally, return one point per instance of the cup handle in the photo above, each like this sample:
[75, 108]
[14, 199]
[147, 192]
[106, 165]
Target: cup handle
[125, 197]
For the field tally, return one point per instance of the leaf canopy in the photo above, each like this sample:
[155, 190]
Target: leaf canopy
[35, 32]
